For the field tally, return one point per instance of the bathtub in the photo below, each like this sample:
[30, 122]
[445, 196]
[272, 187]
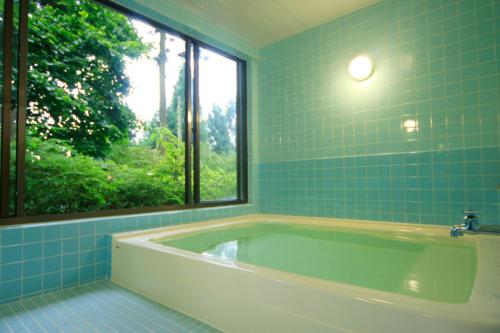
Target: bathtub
[236, 296]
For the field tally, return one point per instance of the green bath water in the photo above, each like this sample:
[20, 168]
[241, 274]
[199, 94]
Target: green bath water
[436, 268]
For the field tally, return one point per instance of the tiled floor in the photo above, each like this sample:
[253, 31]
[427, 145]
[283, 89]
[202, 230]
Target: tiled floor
[97, 307]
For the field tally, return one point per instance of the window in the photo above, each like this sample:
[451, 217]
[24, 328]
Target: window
[110, 112]
[218, 95]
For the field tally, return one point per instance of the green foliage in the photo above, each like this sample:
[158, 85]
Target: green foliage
[217, 174]
[76, 78]
[60, 180]
[132, 188]
[220, 127]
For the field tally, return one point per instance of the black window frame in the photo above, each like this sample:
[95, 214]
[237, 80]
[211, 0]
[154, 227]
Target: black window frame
[192, 198]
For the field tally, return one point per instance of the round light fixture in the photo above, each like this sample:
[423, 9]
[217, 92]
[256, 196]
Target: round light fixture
[361, 68]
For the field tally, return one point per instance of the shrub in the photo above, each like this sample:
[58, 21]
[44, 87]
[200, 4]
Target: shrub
[60, 181]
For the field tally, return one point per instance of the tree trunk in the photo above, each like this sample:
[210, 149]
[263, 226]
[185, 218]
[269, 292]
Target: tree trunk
[179, 118]
[162, 59]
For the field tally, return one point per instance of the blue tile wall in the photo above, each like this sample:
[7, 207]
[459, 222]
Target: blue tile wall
[39, 258]
[333, 146]
[422, 187]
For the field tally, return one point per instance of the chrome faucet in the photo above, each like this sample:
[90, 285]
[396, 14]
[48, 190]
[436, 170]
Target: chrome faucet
[471, 225]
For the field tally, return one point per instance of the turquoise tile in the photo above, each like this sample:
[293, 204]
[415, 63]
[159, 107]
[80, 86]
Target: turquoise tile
[52, 281]
[101, 271]
[102, 227]
[52, 264]
[87, 274]
[142, 223]
[32, 285]
[166, 219]
[70, 230]
[60, 249]
[12, 254]
[32, 234]
[52, 232]
[117, 225]
[52, 248]
[100, 255]
[11, 272]
[70, 261]
[490, 197]
[101, 241]
[457, 196]
[86, 228]
[129, 223]
[10, 290]
[32, 251]
[11, 236]
[155, 221]
[87, 243]
[32, 268]
[87, 258]
[70, 245]
[70, 277]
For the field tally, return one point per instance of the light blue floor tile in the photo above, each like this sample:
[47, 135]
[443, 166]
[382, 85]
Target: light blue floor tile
[97, 307]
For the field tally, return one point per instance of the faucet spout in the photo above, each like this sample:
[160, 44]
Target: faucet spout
[471, 223]
[458, 230]
[471, 226]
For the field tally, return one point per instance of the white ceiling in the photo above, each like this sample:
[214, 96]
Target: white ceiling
[263, 22]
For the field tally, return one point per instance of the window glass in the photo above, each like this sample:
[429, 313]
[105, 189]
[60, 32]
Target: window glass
[218, 93]
[105, 115]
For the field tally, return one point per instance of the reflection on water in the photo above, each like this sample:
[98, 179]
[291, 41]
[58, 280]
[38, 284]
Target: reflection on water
[413, 285]
[227, 250]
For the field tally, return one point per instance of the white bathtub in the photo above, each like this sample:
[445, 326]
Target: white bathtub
[235, 297]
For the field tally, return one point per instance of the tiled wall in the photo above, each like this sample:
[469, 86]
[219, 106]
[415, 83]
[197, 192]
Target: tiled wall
[423, 187]
[38, 258]
[332, 146]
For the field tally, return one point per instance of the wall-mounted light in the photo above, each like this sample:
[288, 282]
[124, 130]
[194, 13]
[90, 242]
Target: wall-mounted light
[361, 68]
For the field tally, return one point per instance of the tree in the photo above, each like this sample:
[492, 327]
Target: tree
[175, 112]
[231, 118]
[204, 137]
[220, 127]
[77, 78]
[162, 60]
[176, 108]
